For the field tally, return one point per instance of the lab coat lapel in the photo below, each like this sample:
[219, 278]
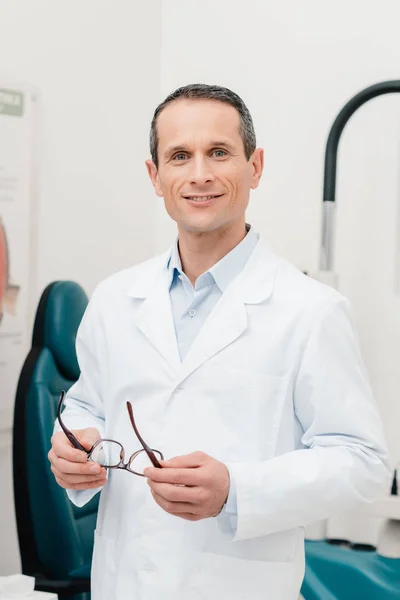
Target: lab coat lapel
[225, 324]
[154, 318]
[228, 320]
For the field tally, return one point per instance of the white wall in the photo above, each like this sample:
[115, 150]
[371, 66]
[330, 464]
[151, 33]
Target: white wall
[295, 64]
[97, 66]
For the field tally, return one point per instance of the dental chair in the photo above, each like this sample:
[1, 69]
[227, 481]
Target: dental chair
[342, 573]
[55, 537]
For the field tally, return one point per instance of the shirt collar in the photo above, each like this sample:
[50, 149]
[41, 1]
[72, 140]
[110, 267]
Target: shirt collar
[225, 270]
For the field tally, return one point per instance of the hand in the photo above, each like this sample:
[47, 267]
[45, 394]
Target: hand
[194, 486]
[70, 466]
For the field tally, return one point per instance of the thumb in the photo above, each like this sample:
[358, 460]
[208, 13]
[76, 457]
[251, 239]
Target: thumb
[186, 461]
[87, 437]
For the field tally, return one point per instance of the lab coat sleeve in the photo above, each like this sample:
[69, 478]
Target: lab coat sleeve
[228, 517]
[343, 460]
[83, 402]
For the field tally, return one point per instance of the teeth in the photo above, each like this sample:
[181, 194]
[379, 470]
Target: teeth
[201, 198]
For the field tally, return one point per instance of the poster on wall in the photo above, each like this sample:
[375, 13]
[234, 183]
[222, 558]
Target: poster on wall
[17, 175]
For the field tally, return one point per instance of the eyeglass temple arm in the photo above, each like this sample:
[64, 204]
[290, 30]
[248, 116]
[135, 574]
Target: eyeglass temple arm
[67, 432]
[146, 448]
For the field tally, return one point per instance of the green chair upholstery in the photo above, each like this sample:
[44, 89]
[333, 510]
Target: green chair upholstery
[55, 537]
[343, 573]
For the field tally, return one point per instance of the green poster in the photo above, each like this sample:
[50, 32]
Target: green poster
[11, 103]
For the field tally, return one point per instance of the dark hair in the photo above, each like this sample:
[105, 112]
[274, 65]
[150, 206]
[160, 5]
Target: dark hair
[208, 92]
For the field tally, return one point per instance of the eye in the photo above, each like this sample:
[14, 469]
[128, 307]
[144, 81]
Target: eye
[219, 153]
[180, 156]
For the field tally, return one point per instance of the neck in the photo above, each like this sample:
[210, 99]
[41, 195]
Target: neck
[201, 251]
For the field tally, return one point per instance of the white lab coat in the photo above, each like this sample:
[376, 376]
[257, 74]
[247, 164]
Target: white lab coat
[274, 386]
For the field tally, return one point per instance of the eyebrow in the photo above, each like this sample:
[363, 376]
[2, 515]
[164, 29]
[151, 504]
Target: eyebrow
[183, 148]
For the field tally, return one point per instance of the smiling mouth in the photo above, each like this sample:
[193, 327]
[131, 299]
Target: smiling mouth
[200, 199]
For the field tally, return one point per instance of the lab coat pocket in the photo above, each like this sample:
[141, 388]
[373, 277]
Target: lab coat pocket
[281, 546]
[216, 577]
[246, 407]
[103, 568]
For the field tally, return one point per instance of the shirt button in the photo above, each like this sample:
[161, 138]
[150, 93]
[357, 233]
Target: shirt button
[192, 312]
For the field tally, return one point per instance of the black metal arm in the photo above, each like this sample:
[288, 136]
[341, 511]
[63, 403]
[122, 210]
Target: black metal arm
[386, 87]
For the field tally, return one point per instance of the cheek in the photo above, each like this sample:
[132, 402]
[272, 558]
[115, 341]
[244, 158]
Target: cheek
[235, 181]
[170, 185]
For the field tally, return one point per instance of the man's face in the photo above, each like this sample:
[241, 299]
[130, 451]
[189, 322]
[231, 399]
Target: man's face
[201, 154]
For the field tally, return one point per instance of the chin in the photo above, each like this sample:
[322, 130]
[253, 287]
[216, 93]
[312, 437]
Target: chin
[200, 227]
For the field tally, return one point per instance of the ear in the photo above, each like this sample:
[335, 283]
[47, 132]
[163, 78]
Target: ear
[257, 160]
[153, 174]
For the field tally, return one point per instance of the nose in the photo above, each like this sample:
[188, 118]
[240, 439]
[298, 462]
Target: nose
[201, 172]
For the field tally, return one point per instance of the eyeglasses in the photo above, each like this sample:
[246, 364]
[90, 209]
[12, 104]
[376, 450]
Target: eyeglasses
[111, 454]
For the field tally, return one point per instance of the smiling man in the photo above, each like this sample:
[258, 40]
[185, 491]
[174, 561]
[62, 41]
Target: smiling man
[244, 373]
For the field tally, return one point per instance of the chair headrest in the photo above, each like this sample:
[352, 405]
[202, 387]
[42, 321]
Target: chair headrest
[58, 316]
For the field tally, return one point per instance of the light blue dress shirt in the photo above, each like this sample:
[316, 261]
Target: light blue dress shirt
[192, 305]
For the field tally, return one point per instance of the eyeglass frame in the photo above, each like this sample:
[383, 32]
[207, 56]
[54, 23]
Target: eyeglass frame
[75, 442]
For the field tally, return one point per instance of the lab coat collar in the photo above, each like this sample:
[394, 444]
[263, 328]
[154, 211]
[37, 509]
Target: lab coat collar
[225, 270]
[254, 284]
[147, 273]
[227, 321]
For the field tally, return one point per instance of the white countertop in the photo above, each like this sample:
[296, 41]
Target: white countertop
[388, 507]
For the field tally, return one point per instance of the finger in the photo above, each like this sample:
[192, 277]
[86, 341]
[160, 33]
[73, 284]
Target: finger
[186, 461]
[174, 493]
[67, 467]
[188, 516]
[53, 458]
[87, 437]
[76, 478]
[174, 507]
[81, 486]
[190, 476]
[62, 447]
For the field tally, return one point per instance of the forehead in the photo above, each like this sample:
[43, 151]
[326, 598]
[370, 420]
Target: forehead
[194, 121]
